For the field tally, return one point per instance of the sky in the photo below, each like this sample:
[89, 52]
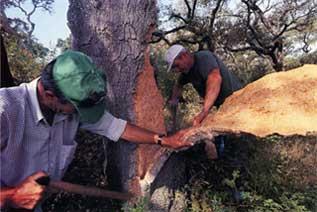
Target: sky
[48, 27]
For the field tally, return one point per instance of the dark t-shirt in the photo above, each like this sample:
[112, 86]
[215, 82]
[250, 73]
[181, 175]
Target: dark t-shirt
[205, 62]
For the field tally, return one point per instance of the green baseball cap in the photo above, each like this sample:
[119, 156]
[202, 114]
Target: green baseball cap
[82, 84]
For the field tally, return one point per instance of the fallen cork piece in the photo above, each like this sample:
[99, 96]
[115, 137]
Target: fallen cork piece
[283, 103]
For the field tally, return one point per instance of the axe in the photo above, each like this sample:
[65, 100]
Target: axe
[82, 190]
[75, 189]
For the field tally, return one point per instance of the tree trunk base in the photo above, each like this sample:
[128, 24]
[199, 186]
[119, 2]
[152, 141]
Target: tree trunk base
[166, 194]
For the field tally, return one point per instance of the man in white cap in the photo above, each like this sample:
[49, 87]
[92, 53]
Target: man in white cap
[210, 78]
[207, 73]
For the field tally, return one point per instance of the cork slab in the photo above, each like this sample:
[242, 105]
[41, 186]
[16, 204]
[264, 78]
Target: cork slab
[282, 103]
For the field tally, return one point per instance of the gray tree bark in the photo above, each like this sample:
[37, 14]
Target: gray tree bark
[115, 35]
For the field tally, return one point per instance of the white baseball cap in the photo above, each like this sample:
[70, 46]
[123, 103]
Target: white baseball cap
[172, 53]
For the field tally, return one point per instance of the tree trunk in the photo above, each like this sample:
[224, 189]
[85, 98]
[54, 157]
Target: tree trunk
[115, 35]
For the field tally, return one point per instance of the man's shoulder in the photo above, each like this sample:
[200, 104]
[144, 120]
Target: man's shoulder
[204, 53]
[204, 57]
[12, 97]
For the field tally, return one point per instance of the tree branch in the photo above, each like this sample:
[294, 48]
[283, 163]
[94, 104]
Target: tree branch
[162, 35]
[188, 9]
[178, 16]
[194, 8]
[214, 13]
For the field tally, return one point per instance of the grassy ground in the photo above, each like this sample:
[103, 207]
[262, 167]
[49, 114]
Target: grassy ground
[246, 179]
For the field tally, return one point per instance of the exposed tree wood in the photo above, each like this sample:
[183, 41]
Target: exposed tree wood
[279, 103]
[148, 98]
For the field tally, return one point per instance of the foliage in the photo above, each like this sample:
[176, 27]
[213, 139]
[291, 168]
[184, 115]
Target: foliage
[140, 205]
[64, 44]
[271, 29]
[292, 62]
[25, 54]
[25, 63]
[193, 22]
[61, 46]
[249, 183]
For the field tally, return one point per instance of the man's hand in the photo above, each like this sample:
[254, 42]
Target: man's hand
[176, 141]
[199, 118]
[28, 193]
[140, 135]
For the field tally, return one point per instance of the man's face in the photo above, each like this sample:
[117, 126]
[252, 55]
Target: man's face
[56, 105]
[64, 108]
[182, 63]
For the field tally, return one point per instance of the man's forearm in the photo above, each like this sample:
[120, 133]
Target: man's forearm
[210, 98]
[5, 195]
[213, 86]
[138, 135]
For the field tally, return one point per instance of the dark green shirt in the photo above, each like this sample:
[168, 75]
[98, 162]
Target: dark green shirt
[205, 62]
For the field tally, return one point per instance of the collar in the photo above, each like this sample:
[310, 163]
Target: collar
[35, 106]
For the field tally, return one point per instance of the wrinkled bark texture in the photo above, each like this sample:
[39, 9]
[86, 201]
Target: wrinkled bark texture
[115, 35]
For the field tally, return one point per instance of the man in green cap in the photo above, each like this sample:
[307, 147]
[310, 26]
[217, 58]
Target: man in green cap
[39, 121]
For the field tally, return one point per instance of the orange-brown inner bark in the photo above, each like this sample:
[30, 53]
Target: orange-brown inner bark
[149, 114]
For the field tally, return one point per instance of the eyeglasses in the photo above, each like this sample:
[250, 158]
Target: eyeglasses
[92, 100]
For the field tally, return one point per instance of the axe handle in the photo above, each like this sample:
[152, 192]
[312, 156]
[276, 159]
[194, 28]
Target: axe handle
[89, 191]
[83, 190]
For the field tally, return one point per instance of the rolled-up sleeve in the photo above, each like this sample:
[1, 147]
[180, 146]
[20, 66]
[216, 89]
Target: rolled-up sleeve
[108, 126]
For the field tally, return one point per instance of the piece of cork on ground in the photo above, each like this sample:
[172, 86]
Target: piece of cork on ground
[283, 103]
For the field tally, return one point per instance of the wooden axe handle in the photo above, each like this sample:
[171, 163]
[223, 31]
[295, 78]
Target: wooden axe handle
[83, 190]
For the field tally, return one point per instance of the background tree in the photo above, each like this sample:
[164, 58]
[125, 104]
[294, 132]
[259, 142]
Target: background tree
[25, 54]
[25, 25]
[192, 22]
[272, 28]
